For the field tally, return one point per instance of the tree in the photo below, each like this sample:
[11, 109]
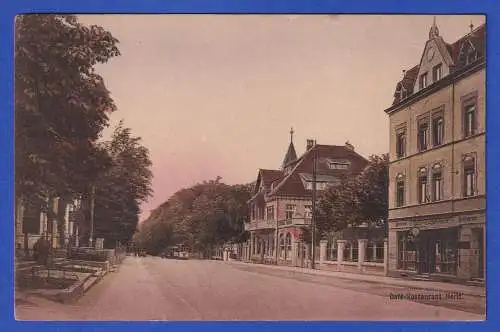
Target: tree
[338, 207]
[373, 191]
[61, 103]
[122, 187]
[357, 199]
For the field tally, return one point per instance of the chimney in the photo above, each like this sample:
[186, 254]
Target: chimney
[349, 146]
[310, 144]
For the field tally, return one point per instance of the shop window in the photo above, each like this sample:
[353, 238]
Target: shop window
[407, 252]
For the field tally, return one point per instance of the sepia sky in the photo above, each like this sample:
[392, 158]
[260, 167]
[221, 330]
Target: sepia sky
[217, 94]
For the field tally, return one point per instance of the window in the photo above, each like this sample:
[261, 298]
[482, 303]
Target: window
[288, 244]
[401, 144]
[407, 252]
[289, 212]
[253, 212]
[319, 185]
[400, 191]
[437, 73]
[282, 247]
[469, 118]
[338, 165]
[438, 130]
[270, 213]
[422, 186]
[422, 136]
[404, 94]
[471, 56]
[308, 211]
[437, 183]
[423, 81]
[469, 176]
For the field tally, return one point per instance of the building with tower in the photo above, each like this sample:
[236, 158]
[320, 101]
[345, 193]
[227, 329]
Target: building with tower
[281, 205]
[437, 162]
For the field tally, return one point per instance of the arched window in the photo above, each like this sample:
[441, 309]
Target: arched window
[422, 185]
[469, 180]
[400, 190]
[437, 182]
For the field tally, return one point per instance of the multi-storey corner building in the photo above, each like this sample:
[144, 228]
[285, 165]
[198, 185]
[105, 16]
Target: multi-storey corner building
[437, 162]
[281, 205]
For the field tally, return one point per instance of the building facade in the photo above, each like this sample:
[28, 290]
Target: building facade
[58, 220]
[437, 162]
[281, 206]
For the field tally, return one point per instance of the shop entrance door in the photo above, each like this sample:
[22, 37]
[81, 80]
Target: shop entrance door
[426, 260]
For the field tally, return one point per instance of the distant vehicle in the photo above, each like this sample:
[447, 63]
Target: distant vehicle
[176, 252]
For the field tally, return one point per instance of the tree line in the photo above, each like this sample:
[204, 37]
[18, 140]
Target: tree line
[201, 217]
[62, 107]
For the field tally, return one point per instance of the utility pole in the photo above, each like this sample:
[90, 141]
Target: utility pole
[313, 212]
[92, 199]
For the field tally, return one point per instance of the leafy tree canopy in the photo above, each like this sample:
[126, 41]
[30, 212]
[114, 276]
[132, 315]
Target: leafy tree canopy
[61, 103]
[202, 216]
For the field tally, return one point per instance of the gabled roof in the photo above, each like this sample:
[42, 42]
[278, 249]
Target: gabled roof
[292, 184]
[477, 38]
[266, 177]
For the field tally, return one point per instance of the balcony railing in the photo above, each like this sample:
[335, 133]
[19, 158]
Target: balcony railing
[266, 224]
[295, 221]
[260, 224]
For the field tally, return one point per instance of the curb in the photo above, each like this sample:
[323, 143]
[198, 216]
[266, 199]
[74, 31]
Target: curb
[395, 282]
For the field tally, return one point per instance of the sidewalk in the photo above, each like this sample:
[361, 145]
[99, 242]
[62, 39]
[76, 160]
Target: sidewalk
[414, 284]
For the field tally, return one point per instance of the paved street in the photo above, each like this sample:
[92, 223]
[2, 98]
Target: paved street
[155, 289]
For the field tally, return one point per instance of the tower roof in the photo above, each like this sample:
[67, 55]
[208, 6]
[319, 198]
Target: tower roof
[291, 154]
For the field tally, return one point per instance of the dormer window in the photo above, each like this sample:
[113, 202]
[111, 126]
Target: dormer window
[337, 164]
[471, 57]
[422, 83]
[437, 73]
[468, 54]
[319, 185]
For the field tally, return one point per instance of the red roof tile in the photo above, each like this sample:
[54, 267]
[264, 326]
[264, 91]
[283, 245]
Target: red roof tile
[292, 184]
